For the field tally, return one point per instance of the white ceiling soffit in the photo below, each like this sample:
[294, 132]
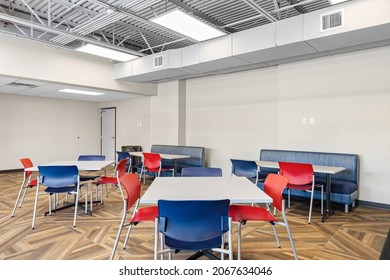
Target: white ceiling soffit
[51, 90]
[365, 24]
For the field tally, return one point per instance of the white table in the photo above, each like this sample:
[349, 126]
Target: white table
[237, 189]
[87, 165]
[165, 156]
[328, 170]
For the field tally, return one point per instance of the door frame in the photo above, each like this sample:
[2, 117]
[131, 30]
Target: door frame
[101, 129]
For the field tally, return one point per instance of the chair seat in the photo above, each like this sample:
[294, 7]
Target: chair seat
[145, 214]
[240, 213]
[158, 169]
[61, 190]
[84, 178]
[106, 180]
[33, 183]
[299, 187]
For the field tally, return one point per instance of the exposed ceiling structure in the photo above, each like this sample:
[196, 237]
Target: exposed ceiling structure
[125, 24]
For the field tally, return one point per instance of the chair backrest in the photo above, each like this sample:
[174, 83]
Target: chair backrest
[122, 155]
[120, 169]
[91, 157]
[274, 185]
[132, 186]
[152, 160]
[26, 164]
[201, 172]
[297, 173]
[244, 168]
[193, 224]
[58, 176]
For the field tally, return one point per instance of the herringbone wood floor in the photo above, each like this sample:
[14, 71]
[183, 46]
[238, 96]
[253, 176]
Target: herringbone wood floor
[358, 235]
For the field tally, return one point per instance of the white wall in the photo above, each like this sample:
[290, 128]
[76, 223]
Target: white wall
[348, 95]
[165, 114]
[132, 122]
[46, 129]
[233, 115]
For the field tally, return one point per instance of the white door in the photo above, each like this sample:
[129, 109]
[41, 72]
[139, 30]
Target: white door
[108, 128]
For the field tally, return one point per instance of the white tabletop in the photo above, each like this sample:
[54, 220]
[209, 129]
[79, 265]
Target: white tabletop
[317, 168]
[87, 165]
[237, 189]
[164, 156]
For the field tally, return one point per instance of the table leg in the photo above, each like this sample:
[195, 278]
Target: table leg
[174, 168]
[328, 211]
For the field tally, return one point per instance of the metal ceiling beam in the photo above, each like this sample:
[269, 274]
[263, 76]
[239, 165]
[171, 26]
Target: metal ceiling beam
[207, 18]
[256, 7]
[294, 5]
[38, 26]
[298, 7]
[142, 20]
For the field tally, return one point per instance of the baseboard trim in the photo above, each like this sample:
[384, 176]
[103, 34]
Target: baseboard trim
[11, 170]
[373, 204]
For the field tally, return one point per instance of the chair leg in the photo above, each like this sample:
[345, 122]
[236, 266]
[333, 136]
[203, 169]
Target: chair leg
[289, 234]
[288, 198]
[322, 200]
[117, 238]
[311, 204]
[239, 241]
[17, 199]
[127, 236]
[76, 197]
[156, 239]
[275, 235]
[35, 207]
[230, 240]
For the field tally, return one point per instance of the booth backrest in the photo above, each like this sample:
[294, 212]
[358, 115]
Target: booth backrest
[196, 154]
[349, 161]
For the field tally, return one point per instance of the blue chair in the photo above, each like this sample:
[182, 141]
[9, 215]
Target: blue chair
[245, 168]
[195, 225]
[58, 179]
[201, 172]
[90, 158]
[123, 155]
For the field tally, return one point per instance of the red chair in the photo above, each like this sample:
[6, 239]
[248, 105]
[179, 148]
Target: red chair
[301, 177]
[132, 186]
[119, 171]
[274, 185]
[26, 184]
[152, 163]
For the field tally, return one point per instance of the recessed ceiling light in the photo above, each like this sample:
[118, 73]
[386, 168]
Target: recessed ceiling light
[333, 2]
[187, 25]
[76, 91]
[104, 52]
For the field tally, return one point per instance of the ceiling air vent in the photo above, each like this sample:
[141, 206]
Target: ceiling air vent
[158, 61]
[332, 20]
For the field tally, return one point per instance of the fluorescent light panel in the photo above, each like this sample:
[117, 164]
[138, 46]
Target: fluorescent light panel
[187, 25]
[107, 53]
[76, 91]
[333, 2]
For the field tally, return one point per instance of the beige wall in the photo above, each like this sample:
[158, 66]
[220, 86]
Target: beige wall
[132, 122]
[232, 115]
[46, 129]
[348, 95]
